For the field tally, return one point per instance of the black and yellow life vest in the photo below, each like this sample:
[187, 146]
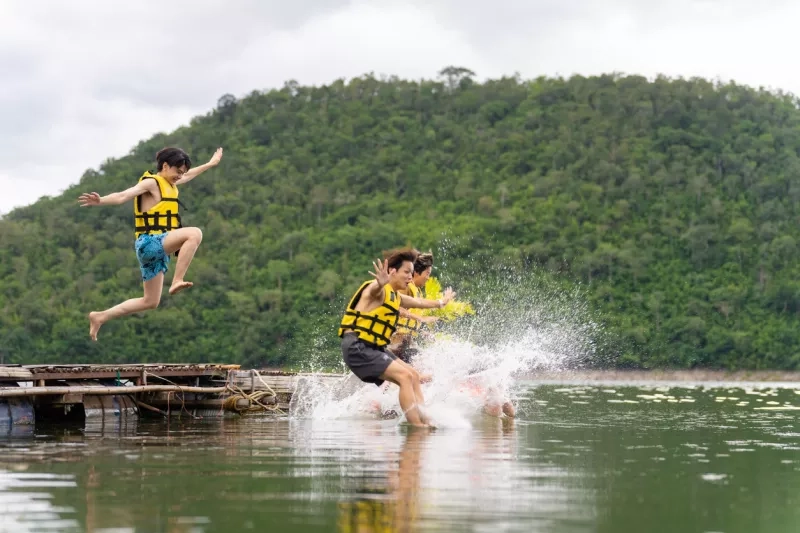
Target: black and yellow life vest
[375, 515]
[376, 326]
[163, 216]
[407, 325]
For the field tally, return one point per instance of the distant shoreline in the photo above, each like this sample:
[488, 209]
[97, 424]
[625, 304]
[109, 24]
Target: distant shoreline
[699, 375]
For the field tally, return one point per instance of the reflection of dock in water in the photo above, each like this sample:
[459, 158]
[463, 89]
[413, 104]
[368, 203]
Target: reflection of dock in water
[83, 392]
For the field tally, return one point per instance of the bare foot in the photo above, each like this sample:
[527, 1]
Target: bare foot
[178, 285]
[424, 418]
[94, 324]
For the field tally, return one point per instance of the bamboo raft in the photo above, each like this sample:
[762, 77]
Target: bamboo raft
[76, 392]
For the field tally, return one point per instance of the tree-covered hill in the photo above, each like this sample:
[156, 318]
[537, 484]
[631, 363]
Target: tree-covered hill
[672, 202]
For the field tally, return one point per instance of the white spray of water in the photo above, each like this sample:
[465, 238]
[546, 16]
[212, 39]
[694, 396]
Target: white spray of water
[523, 323]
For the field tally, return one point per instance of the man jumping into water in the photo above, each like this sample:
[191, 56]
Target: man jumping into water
[409, 325]
[369, 322]
[158, 229]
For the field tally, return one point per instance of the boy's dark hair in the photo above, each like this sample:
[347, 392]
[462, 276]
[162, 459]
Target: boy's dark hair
[423, 262]
[174, 157]
[396, 258]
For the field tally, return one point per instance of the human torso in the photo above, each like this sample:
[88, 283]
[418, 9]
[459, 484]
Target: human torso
[371, 318]
[156, 211]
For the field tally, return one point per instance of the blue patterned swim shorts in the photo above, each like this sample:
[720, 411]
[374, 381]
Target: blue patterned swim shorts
[151, 255]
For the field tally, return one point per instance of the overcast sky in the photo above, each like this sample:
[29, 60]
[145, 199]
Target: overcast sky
[85, 80]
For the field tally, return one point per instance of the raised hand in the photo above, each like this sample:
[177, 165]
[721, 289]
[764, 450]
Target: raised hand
[381, 272]
[448, 296]
[215, 159]
[88, 199]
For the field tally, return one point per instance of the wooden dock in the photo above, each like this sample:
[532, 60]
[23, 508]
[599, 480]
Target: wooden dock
[76, 392]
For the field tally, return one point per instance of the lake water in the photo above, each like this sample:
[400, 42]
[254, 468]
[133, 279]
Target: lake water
[578, 458]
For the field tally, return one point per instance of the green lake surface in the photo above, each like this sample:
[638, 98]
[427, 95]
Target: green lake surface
[594, 457]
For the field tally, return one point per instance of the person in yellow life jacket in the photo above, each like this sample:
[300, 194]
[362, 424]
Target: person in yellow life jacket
[369, 321]
[410, 324]
[158, 230]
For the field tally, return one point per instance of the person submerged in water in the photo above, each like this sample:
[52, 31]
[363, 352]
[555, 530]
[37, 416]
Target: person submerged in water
[158, 230]
[369, 322]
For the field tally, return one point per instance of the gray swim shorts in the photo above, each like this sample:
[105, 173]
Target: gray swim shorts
[367, 361]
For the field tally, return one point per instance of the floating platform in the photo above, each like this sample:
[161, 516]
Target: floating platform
[30, 393]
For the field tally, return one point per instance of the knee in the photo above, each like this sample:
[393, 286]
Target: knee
[196, 235]
[152, 303]
[408, 377]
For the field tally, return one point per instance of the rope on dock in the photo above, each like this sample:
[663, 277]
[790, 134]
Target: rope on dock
[265, 399]
[254, 398]
[169, 395]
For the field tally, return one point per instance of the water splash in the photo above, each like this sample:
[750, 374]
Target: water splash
[524, 322]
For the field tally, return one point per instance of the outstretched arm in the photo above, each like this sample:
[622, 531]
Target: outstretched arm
[192, 173]
[115, 198]
[424, 303]
[426, 319]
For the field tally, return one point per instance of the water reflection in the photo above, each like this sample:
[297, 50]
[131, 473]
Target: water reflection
[587, 458]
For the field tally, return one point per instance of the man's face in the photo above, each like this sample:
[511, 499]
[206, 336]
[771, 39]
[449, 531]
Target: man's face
[422, 278]
[400, 278]
[173, 174]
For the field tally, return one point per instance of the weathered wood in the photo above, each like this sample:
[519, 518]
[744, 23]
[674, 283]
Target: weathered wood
[127, 371]
[68, 398]
[208, 403]
[91, 386]
[281, 384]
[15, 373]
[103, 390]
[143, 405]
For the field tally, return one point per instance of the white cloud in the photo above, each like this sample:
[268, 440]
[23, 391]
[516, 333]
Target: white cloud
[88, 79]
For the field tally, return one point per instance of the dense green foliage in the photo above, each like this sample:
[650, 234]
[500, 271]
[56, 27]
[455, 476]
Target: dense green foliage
[674, 203]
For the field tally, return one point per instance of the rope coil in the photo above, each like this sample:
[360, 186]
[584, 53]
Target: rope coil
[257, 400]
[254, 398]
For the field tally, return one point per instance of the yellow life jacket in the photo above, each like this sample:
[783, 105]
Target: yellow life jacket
[407, 325]
[374, 515]
[376, 326]
[163, 216]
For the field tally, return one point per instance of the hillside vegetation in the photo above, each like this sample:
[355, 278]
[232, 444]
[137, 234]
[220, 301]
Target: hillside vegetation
[673, 203]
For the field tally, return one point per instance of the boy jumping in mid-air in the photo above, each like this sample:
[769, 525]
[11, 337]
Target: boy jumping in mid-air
[158, 228]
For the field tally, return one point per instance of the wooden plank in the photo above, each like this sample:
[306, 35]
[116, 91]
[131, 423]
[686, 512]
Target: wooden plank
[124, 374]
[102, 390]
[15, 373]
[145, 366]
[281, 384]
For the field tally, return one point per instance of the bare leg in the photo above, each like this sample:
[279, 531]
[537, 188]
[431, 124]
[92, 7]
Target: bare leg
[186, 240]
[150, 300]
[398, 372]
[417, 387]
[416, 380]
